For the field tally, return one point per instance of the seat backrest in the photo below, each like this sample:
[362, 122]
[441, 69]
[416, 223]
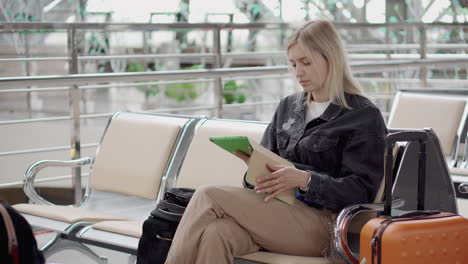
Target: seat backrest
[133, 154]
[446, 115]
[206, 163]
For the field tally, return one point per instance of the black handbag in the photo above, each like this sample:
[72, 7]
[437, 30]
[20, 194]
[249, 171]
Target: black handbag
[160, 227]
[17, 242]
[173, 204]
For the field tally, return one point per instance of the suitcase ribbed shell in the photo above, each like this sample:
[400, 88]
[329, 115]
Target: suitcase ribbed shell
[440, 238]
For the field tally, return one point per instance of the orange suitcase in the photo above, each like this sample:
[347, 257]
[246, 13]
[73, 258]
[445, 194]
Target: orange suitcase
[417, 237]
[425, 239]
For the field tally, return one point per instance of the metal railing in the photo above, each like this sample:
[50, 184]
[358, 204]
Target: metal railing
[75, 82]
[83, 81]
[72, 29]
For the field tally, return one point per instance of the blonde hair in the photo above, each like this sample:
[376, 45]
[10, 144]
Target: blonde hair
[321, 36]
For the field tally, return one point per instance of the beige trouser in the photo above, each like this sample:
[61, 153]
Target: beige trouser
[222, 222]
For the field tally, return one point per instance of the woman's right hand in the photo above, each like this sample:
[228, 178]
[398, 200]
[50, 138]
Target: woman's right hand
[243, 156]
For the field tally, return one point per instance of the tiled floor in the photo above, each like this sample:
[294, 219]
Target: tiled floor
[73, 257]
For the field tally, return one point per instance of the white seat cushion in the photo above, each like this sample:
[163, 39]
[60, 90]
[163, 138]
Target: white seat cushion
[206, 163]
[274, 258]
[66, 214]
[129, 228]
[459, 171]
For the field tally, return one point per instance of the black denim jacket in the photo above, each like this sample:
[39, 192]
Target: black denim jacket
[343, 149]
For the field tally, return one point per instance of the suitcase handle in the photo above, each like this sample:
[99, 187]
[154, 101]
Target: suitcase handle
[420, 135]
[409, 135]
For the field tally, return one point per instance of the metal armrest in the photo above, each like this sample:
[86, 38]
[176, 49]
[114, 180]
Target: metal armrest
[463, 188]
[340, 237]
[465, 153]
[34, 169]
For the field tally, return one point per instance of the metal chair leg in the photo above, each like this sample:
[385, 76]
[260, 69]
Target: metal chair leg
[58, 244]
[132, 259]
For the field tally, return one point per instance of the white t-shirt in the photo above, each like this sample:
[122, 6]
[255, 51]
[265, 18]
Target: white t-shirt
[315, 110]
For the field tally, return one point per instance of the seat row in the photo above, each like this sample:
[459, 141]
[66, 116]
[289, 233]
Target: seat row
[446, 114]
[142, 155]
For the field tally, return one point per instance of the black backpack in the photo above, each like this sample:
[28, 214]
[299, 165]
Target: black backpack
[160, 227]
[17, 242]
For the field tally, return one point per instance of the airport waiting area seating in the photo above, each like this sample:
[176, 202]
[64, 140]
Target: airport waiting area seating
[141, 155]
[447, 115]
[127, 172]
[191, 159]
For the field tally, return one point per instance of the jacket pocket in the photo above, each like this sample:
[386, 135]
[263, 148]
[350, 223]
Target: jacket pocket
[319, 143]
[321, 151]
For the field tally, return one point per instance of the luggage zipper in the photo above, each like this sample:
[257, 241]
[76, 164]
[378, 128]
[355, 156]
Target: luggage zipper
[379, 246]
[375, 241]
[373, 244]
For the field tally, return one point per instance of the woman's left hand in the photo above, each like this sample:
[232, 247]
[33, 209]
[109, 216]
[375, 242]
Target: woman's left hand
[280, 179]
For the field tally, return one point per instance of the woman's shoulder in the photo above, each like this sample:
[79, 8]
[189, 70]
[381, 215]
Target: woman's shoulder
[364, 108]
[357, 102]
[366, 116]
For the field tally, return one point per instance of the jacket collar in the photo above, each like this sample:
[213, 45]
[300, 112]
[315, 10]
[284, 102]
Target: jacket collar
[333, 111]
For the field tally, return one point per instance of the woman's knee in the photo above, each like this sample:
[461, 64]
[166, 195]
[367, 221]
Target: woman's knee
[214, 192]
[206, 190]
[226, 199]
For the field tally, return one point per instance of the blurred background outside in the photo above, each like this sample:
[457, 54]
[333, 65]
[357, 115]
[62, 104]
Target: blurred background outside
[392, 44]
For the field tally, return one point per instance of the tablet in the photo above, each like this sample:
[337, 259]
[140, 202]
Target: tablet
[233, 143]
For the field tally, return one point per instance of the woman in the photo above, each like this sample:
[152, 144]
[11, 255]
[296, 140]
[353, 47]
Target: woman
[332, 134]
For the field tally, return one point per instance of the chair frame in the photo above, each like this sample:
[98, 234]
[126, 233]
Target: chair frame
[75, 239]
[462, 127]
[340, 228]
[66, 238]
[170, 180]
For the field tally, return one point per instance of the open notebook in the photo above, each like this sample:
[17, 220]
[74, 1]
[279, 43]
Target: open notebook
[258, 160]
